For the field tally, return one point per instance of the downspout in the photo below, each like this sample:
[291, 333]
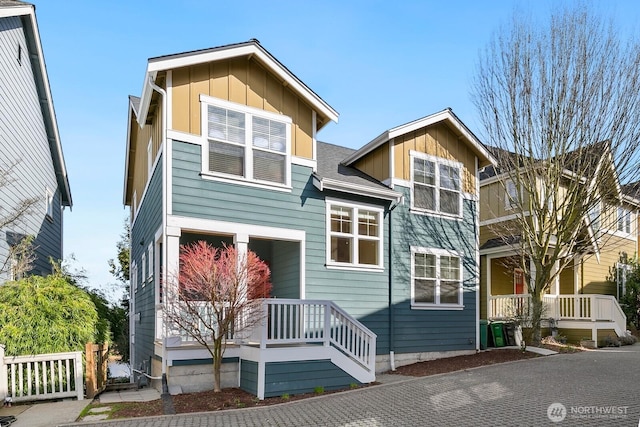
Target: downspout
[163, 143]
[392, 361]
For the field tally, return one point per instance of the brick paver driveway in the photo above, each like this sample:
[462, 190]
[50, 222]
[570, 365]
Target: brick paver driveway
[595, 388]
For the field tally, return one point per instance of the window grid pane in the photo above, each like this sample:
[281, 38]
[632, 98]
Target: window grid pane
[226, 158]
[341, 219]
[226, 125]
[341, 249]
[367, 223]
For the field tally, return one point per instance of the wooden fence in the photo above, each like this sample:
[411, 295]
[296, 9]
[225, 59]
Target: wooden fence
[97, 358]
[41, 377]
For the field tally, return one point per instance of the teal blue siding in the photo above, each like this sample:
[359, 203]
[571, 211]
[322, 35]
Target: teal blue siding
[249, 376]
[147, 222]
[286, 255]
[361, 294]
[304, 377]
[418, 330]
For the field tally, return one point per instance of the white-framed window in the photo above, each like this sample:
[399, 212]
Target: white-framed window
[594, 218]
[436, 278]
[150, 260]
[143, 265]
[245, 143]
[133, 277]
[48, 194]
[621, 278]
[354, 235]
[511, 194]
[435, 185]
[624, 220]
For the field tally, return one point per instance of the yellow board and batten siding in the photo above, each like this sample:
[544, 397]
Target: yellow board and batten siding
[139, 141]
[438, 141]
[594, 275]
[376, 163]
[245, 82]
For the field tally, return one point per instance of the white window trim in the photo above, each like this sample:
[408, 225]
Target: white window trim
[134, 277]
[436, 306]
[621, 283]
[143, 263]
[248, 147]
[508, 198]
[329, 202]
[438, 161]
[626, 213]
[150, 260]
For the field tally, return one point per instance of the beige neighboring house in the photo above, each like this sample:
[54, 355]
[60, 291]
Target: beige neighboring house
[583, 302]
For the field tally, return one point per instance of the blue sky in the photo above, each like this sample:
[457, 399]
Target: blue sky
[378, 63]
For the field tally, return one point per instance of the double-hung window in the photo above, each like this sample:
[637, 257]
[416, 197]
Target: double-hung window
[436, 185]
[624, 220]
[436, 277]
[246, 143]
[511, 194]
[354, 235]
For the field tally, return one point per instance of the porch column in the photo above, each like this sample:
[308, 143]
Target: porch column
[554, 289]
[488, 279]
[169, 275]
[241, 242]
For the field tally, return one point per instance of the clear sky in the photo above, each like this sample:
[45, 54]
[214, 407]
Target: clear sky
[378, 63]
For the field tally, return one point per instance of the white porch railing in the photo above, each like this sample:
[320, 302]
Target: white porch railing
[41, 377]
[592, 307]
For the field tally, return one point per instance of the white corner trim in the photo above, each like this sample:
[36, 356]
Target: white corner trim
[184, 137]
[301, 161]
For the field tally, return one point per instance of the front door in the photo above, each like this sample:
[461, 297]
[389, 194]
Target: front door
[518, 281]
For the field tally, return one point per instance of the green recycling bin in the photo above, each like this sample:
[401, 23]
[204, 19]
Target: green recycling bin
[483, 334]
[498, 334]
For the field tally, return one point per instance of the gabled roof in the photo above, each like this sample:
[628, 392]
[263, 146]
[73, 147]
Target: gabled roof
[251, 48]
[445, 115]
[26, 11]
[332, 174]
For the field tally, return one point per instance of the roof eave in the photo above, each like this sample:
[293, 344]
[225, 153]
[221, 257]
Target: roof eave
[361, 190]
[249, 48]
[27, 12]
[446, 114]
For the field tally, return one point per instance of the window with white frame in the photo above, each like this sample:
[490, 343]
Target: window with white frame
[134, 277]
[143, 265]
[511, 194]
[436, 277]
[354, 235]
[150, 260]
[594, 218]
[436, 185]
[246, 143]
[621, 278]
[624, 220]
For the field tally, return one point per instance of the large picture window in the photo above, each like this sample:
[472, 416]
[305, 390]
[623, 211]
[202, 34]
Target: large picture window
[246, 143]
[354, 235]
[435, 185]
[436, 278]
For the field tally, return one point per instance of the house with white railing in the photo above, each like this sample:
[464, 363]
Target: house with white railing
[582, 302]
[372, 250]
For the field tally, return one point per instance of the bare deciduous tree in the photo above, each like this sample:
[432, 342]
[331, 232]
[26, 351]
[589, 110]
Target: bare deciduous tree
[560, 103]
[217, 295]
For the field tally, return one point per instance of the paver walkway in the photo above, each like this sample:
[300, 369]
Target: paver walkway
[594, 388]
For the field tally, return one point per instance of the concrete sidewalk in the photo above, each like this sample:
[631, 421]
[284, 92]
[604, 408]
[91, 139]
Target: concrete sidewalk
[46, 414]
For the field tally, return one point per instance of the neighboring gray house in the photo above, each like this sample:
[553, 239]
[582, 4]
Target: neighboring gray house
[373, 252]
[31, 159]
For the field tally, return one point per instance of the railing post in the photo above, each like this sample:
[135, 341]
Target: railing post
[79, 376]
[3, 375]
[326, 334]
[90, 371]
[264, 325]
[592, 308]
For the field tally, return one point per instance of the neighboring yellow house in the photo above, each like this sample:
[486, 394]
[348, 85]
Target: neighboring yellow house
[582, 302]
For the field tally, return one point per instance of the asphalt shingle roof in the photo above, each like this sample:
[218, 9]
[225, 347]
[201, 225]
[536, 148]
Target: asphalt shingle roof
[330, 166]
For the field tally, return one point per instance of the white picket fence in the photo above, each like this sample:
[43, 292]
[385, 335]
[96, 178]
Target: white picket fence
[41, 377]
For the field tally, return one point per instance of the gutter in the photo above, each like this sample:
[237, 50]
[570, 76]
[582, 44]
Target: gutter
[361, 190]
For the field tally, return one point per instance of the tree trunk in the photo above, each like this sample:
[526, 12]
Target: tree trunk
[537, 311]
[217, 363]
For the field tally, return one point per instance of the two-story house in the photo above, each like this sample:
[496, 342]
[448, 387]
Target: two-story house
[582, 301]
[373, 252]
[34, 187]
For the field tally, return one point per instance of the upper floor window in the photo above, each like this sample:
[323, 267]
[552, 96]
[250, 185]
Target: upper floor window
[436, 278]
[246, 143]
[435, 185]
[354, 235]
[594, 217]
[624, 220]
[511, 194]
